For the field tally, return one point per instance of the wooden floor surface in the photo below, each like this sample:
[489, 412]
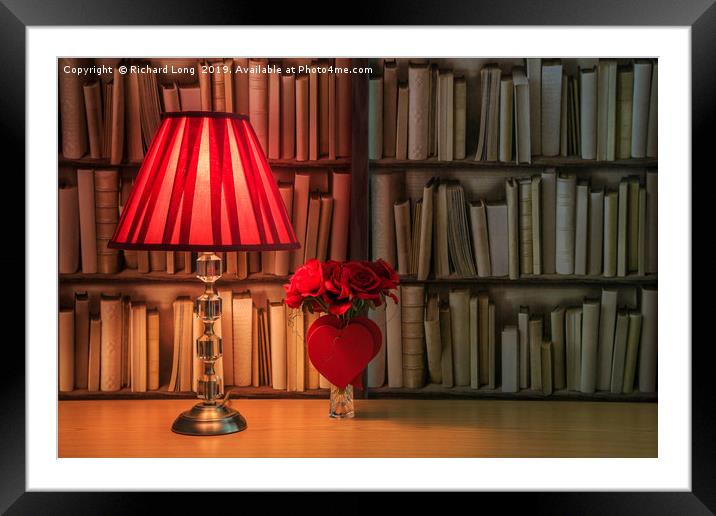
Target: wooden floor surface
[381, 428]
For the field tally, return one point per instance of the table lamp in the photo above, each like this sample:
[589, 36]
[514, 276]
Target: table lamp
[205, 185]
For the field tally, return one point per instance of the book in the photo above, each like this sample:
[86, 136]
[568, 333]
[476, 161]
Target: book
[386, 188]
[497, 230]
[590, 343]
[607, 323]
[564, 118]
[312, 221]
[341, 214]
[138, 347]
[522, 109]
[506, 118]
[226, 321]
[227, 68]
[292, 333]
[525, 225]
[595, 232]
[126, 343]
[523, 327]
[418, 107]
[480, 238]
[652, 226]
[170, 97]
[157, 261]
[66, 352]
[623, 229]
[510, 359]
[581, 226]
[640, 108]
[415, 237]
[426, 229]
[205, 86]
[73, 122]
[110, 308]
[432, 110]
[394, 341]
[548, 218]
[619, 355]
[606, 108]
[649, 344]
[255, 347]
[274, 116]
[401, 127]
[489, 128]
[152, 349]
[301, 187]
[535, 199]
[133, 117]
[625, 92]
[190, 98]
[459, 117]
[277, 337]
[513, 227]
[106, 184]
[483, 325]
[565, 201]
[302, 117]
[641, 233]
[632, 352]
[401, 211]
[446, 354]
[258, 100]
[93, 109]
[242, 338]
[375, 118]
[412, 303]
[444, 121]
[433, 340]
[534, 78]
[81, 339]
[328, 114]
[324, 226]
[116, 138]
[611, 210]
[287, 115]
[376, 367]
[93, 360]
[535, 339]
[69, 230]
[558, 350]
[546, 367]
[551, 105]
[313, 112]
[459, 302]
[344, 107]
[474, 335]
[573, 348]
[633, 225]
[390, 106]
[652, 131]
[458, 231]
[588, 112]
[492, 351]
[312, 375]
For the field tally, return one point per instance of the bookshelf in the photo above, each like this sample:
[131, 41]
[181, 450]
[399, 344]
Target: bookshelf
[546, 290]
[486, 180]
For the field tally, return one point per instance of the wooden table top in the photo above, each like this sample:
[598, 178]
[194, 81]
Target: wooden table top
[381, 428]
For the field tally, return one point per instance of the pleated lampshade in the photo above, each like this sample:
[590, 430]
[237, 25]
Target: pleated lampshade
[204, 185]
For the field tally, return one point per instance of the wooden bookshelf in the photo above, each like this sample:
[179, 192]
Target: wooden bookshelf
[539, 162]
[88, 162]
[163, 394]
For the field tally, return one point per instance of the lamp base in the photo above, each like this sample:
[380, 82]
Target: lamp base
[205, 419]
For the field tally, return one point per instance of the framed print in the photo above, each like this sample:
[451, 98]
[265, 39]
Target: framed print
[424, 254]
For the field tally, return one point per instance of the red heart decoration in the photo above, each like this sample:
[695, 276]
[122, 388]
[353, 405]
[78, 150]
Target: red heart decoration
[341, 353]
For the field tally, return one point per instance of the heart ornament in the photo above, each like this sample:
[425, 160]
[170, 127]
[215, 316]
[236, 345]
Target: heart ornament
[341, 351]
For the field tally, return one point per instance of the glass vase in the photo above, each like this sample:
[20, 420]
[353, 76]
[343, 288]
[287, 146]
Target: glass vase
[341, 402]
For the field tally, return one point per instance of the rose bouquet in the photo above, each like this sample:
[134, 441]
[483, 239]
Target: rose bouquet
[342, 342]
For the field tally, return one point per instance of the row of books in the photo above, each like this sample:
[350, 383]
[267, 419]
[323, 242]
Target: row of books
[318, 203]
[302, 114]
[549, 223]
[605, 111]
[594, 347]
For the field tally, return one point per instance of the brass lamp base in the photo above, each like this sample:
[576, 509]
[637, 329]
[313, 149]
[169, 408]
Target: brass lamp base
[206, 419]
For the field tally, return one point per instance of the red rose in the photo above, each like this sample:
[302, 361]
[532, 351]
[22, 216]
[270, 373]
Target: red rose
[389, 278]
[363, 282]
[306, 282]
[333, 280]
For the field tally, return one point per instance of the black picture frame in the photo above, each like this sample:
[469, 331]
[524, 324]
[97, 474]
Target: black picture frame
[16, 15]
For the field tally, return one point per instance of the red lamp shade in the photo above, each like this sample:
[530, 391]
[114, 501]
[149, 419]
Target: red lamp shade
[204, 185]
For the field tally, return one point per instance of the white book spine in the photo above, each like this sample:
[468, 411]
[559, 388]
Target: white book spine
[565, 201]
[640, 116]
[510, 359]
[590, 336]
[649, 343]
[376, 367]
[607, 322]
